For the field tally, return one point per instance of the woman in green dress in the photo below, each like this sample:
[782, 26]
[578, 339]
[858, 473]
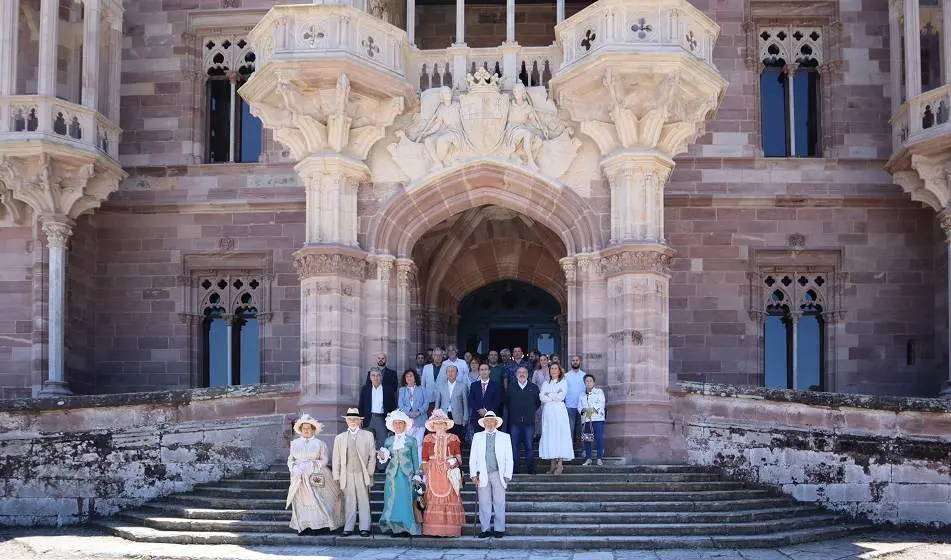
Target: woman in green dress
[400, 452]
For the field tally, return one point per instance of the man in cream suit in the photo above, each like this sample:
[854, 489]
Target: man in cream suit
[452, 396]
[490, 466]
[354, 459]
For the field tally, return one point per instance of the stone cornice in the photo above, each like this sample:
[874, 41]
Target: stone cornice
[647, 258]
[331, 260]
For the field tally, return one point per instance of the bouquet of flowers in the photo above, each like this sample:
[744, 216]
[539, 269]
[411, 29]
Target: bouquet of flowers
[383, 455]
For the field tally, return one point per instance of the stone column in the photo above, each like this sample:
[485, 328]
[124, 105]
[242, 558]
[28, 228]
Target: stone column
[58, 231]
[894, 51]
[91, 51]
[509, 21]
[411, 22]
[332, 271]
[460, 24]
[571, 343]
[912, 49]
[405, 282]
[592, 313]
[9, 17]
[49, 47]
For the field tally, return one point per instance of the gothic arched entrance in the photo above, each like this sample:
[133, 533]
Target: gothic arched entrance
[509, 313]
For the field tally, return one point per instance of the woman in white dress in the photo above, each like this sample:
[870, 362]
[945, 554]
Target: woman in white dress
[556, 443]
[313, 495]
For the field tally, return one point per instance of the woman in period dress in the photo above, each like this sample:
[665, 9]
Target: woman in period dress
[313, 495]
[402, 467]
[442, 462]
[556, 443]
[413, 402]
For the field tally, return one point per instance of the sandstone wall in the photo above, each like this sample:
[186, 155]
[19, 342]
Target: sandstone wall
[64, 460]
[887, 459]
[17, 252]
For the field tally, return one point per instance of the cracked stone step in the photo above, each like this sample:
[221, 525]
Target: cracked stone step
[531, 529]
[778, 539]
[162, 509]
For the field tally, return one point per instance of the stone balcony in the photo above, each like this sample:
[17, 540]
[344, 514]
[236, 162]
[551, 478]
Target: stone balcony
[26, 119]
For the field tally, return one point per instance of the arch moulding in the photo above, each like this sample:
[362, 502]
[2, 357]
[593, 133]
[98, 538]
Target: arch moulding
[413, 212]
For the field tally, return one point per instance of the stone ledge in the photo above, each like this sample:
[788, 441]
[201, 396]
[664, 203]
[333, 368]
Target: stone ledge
[831, 400]
[176, 397]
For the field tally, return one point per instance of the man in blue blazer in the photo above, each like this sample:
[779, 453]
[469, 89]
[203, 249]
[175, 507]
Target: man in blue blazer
[484, 395]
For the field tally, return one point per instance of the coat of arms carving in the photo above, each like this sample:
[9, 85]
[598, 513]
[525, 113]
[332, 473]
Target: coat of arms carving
[485, 122]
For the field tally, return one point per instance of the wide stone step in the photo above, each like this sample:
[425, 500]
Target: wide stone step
[593, 528]
[190, 500]
[267, 480]
[165, 509]
[576, 468]
[781, 538]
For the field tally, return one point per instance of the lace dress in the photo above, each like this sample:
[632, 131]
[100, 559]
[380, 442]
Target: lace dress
[444, 516]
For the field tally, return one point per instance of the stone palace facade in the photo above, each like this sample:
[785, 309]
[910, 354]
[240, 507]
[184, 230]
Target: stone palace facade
[202, 193]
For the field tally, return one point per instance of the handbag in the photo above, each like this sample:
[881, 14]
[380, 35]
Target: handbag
[316, 480]
[587, 431]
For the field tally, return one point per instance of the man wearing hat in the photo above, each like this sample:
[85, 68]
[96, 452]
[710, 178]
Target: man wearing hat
[490, 466]
[354, 459]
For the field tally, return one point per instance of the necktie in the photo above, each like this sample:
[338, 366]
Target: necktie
[484, 385]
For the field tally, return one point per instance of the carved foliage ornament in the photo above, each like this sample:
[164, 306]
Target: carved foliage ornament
[311, 264]
[310, 121]
[52, 187]
[633, 260]
[523, 127]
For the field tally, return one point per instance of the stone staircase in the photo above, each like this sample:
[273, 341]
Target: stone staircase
[614, 506]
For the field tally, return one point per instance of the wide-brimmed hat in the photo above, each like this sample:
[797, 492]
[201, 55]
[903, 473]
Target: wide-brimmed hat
[353, 413]
[490, 414]
[307, 419]
[438, 417]
[397, 416]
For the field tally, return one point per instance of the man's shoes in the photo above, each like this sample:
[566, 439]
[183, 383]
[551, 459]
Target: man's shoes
[346, 533]
[364, 533]
[485, 534]
[499, 534]
[587, 463]
[600, 462]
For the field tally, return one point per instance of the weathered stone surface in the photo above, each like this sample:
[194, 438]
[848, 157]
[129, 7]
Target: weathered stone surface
[59, 467]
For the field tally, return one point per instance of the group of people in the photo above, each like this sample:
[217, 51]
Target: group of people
[419, 496]
[538, 399]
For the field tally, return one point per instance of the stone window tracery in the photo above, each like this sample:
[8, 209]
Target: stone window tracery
[794, 297]
[789, 90]
[234, 135]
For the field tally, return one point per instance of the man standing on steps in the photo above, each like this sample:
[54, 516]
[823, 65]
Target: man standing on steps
[490, 466]
[375, 403]
[522, 403]
[428, 378]
[575, 379]
[390, 379]
[354, 458]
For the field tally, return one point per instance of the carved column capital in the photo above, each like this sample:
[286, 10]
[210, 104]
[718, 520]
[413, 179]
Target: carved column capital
[384, 267]
[58, 230]
[570, 267]
[944, 222]
[405, 273]
[330, 261]
[649, 258]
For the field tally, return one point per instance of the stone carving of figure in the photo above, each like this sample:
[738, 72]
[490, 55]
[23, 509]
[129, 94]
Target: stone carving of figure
[524, 132]
[442, 135]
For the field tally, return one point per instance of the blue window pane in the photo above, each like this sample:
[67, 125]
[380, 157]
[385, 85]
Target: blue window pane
[250, 135]
[806, 112]
[777, 352]
[545, 343]
[809, 353]
[773, 107]
[250, 342]
[218, 353]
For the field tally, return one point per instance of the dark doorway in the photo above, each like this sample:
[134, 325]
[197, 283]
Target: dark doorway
[507, 338]
[509, 313]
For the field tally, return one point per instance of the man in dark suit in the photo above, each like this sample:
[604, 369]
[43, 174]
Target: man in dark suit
[521, 402]
[484, 395]
[375, 403]
[391, 380]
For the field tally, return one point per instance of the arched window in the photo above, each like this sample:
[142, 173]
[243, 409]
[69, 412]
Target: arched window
[233, 133]
[231, 332]
[794, 331]
[789, 91]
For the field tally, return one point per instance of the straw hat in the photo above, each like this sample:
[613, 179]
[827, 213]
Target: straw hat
[353, 413]
[307, 419]
[490, 414]
[439, 417]
[397, 416]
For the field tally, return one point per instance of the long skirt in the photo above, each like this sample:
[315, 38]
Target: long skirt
[444, 516]
[556, 435]
[316, 508]
[398, 514]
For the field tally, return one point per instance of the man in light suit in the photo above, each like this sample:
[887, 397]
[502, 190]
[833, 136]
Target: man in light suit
[452, 396]
[490, 466]
[354, 459]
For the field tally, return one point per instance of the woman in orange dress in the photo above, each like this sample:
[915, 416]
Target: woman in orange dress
[442, 465]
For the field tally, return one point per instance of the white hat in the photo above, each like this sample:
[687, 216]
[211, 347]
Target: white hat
[307, 419]
[397, 416]
[490, 414]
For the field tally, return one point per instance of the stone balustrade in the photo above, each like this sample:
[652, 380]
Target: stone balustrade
[621, 25]
[532, 66]
[34, 117]
[923, 118]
